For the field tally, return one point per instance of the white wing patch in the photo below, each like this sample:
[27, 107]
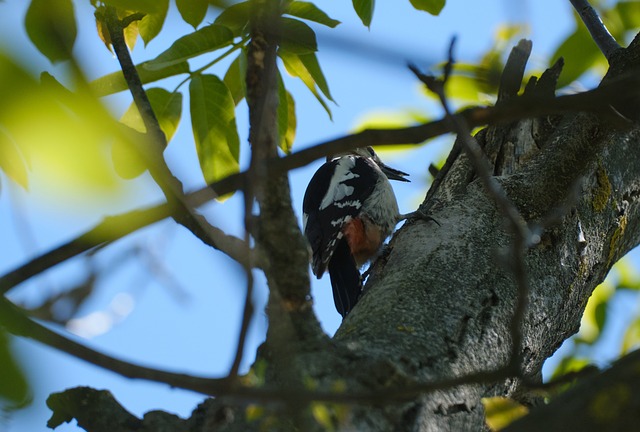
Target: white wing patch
[337, 190]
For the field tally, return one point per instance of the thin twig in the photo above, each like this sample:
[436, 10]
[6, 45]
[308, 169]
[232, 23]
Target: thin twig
[596, 27]
[171, 186]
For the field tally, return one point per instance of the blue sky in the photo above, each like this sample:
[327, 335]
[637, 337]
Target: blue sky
[178, 306]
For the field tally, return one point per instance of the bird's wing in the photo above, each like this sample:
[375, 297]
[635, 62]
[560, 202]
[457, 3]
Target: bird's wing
[335, 194]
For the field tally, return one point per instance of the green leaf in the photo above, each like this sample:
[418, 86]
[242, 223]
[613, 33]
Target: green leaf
[629, 13]
[214, 127]
[502, 411]
[192, 11]
[296, 67]
[631, 339]
[168, 109]
[579, 52]
[311, 64]
[432, 6]
[234, 79]
[364, 9]
[152, 23]
[286, 117]
[297, 37]
[147, 6]
[310, 12]
[207, 39]
[235, 17]
[51, 26]
[13, 383]
[115, 82]
[12, 161]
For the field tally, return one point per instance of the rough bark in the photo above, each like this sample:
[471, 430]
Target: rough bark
[439, 302]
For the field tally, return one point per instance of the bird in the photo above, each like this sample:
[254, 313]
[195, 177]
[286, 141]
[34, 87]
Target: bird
[349, 209]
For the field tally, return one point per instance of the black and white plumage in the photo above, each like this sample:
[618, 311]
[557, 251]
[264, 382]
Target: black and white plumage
[349, 210]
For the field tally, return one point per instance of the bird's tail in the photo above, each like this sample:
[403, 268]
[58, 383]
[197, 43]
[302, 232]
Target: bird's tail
[345, 278]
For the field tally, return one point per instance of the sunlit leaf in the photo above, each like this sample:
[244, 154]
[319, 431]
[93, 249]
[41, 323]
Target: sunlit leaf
[168, 109]
[579, 52]
[502, 411]
[432, 6]
[286, 117]
[51, 26]
[214, 127]
[192, 11]
[631, 339]
[152, 23]
[364, 9]
[206, 39]
[311, 12]
[14, 388]
[310, 63]
[65, 141]
[297, 68]
[297, 37]
[12, 161]
[234, 79]
[322, 414]
[115, 82]
[235, 17]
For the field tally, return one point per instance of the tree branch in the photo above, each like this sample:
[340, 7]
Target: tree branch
[596, 27]
[618, 89]
[171, 187]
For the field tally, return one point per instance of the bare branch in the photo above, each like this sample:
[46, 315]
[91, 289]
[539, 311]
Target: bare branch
[596, 27]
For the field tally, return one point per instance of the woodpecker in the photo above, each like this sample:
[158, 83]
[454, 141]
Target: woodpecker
[349, 209]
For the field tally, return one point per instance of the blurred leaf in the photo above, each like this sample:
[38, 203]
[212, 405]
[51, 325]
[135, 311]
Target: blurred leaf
[152, 23]
[234, 79]
[13, 383]
[202, 41]
[364, 9]
[214, 127]
[147, 6]
[579, 52]
[51, 26]
[631, 339]
[595, 313]
[297, 68]
[568, 365]
[297, 37]
[192, 11]
[432, 6]
[310, 12]
[629, 12]
[628, 275]
[64, 135]
[501, 411]
[286, 117]
[12, 161]
[235, 17]
[115, 82]
[168, 110]
[322, 414]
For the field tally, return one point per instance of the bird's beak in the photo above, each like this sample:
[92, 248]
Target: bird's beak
[394, 174]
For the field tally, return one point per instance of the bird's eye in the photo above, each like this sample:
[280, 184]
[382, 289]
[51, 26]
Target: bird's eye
[371, 152]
